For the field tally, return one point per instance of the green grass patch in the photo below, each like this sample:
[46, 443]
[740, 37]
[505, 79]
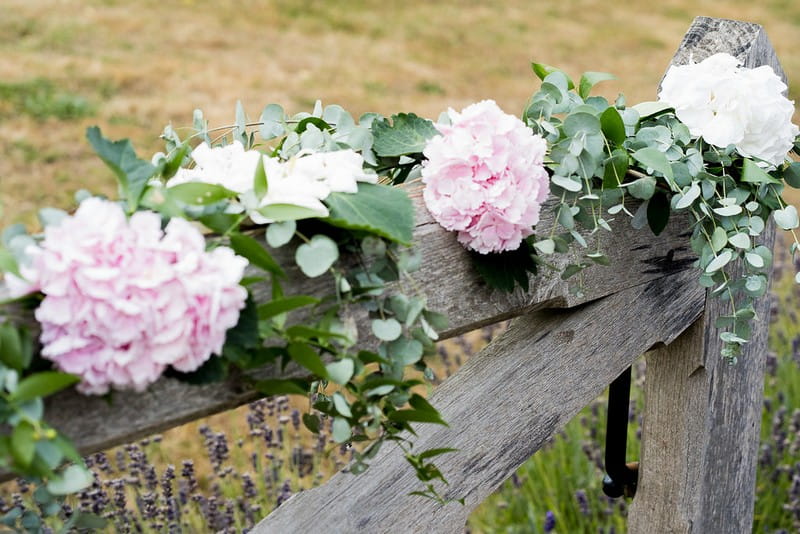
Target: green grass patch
[41, 98]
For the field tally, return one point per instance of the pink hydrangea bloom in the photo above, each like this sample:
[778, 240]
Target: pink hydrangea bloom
[124, 299]
[485, 178]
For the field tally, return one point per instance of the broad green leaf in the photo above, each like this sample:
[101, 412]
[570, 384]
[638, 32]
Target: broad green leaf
[658, 212]
[642, 188]
[11, 349]
[41, 385]
[543, 70]
[786, 218]
[616, 167]
[280, 233]
[378, 209]
[754, 174]
[341, 372]
[199, 194]
[132, 173]
[590, 79]
[284, 304]
[255, 253]
[8, 263]
[260, 181]
[405, 351]
[654, 159]
[73, 479]
[792, 174]
[612, 125]
[307, 357]
[288, 212]
[317, 256]
[407, 134]
[23, 445]
[720, 261]
[386, 329]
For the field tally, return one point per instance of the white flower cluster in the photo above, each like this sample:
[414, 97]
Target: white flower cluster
[303, 181]
[726, 104]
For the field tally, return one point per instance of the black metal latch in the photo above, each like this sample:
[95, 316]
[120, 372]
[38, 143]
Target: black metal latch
[621, 477]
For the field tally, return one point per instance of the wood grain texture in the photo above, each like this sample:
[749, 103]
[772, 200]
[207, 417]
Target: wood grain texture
[636, 257]
[702, 417]
[504, 404]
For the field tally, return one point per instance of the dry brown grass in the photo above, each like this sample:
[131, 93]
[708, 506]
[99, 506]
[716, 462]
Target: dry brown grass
[145, 63]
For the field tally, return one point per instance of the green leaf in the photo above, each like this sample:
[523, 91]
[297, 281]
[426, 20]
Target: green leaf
[654, 159]
[719, 239]
[8, 263]
[581, 123]
[199, 193]
[284, 304]
[312, 422]
[386, 329]
[643, 188]
[616, 167]
[260, 182]
[740, 240]
[612, 126]
[505, 270]
[87, 521]
[132, 173]
[213, 370]
[11, 347]
[786, 218]
[341, 405]
[754, 174]
[430, 453]
[792, 174]
[543, 70]
[341, 430]
[276, 386]
[288, 212]
[650, 109]
[658, 212]
[72, 480]
[280, 233]
[255, 253]
[306, 356]
[317, 256]
[341, 372]
[590, 79]
[41, 385]
[408, 134]
[23, 445]
[405, 351]
[381, 210]
[272, 122]
[720, 261]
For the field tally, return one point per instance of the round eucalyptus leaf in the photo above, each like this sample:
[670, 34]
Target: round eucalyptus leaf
[280, 233]
[341, 372]
[316, 257]
[341, 430]
[386, 329]
[720, 261]
[786, 218]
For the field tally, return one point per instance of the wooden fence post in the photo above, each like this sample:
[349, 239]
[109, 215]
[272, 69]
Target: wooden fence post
[702, 417]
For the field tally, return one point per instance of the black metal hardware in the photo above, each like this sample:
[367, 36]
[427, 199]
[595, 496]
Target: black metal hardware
[621, 478]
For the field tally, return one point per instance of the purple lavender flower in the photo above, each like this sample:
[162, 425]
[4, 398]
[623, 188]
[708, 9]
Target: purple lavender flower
[549, 521]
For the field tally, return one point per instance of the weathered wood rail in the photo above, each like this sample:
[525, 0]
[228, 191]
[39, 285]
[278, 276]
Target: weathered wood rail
[702, 417]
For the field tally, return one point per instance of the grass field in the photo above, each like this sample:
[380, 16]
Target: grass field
[132, 67]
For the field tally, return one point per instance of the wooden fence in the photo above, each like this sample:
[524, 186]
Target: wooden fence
[702, 418]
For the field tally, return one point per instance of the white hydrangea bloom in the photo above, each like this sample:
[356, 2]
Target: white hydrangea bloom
[729, 105]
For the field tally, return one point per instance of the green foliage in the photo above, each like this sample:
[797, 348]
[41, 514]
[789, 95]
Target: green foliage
[377, 209]
[406, 135]
[41, 99]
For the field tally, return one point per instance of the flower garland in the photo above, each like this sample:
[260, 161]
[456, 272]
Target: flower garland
[128, 290]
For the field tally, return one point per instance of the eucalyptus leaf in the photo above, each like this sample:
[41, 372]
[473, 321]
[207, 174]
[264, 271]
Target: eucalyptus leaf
[719, 238]
[317, 256]
[786, 218]
[341, 430]
[642, 188]
[654, 159]
[740, 240]
[73, 479]
[341, 372]
[720, 261]
[386, 329]
[280, 233]
[272, 122]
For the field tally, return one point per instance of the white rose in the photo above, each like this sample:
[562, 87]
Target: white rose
[728, 105]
